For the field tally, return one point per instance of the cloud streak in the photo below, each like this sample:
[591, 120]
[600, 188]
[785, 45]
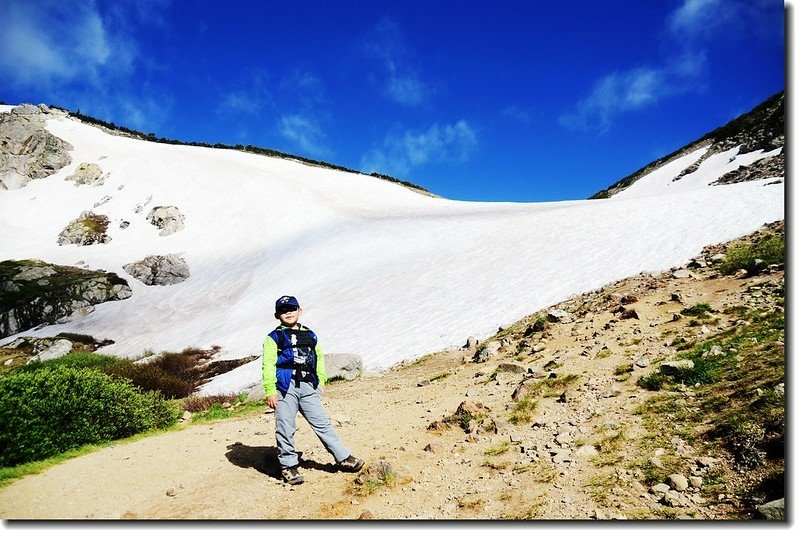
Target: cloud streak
[34, 50]
[450, 143]
[691, 27]
[80, 53]
[401, 83]
[304, 133]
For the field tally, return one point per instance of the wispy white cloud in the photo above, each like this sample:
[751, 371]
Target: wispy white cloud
[615, 93]
[690, 26]
[450, 143]
[518, 113]
[82, 54]
[702, 18]
[56, 43]
[247, 96]
[407, 89]
[239, 102]
[636, 89]
[304, 133]
[305, 88]
[401, 83]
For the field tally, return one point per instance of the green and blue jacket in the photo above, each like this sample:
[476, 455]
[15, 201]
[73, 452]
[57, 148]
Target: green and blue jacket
[291, 355]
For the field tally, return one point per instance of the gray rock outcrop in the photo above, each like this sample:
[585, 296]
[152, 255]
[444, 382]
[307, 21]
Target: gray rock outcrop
[59, 348]
[484, 353]
[27, 150]
[87, 173]
[87, 229]
[346, 366]
[34, 293]
[168, 219]
[159, 270]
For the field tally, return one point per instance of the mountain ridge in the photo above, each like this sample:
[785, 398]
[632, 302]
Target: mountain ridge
[762, 128]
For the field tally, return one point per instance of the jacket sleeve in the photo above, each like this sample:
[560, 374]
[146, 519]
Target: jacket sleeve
[321, 375]
[269, 367]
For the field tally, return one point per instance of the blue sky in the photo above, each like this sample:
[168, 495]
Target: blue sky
[473, 99]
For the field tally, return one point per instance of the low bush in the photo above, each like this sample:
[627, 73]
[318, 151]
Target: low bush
[740, 255]
[50, 410]
[147, 377]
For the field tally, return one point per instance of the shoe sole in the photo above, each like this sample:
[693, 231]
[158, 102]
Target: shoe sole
[354, 468]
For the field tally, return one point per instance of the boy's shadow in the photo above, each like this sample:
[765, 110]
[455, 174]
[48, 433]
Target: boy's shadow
[265, 459]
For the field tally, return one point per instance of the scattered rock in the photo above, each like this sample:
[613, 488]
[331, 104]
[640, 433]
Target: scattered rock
[27, 150]
[87, 173]
[59, 348]
[159, 270]
[491, 349]
[774, 510]
[87, 229]
[347, 366]
[560, 316]
[38, 293]
[434, 447]
[376, 472]
[511, 367]
[674, 367]
[677, 482]
[168, 219]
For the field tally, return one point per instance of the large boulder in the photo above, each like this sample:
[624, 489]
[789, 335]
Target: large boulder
[168, 219]
[346, 366]
[27, 150]
[33, 293]
[87, 229]
[87, 173]
[159, 270]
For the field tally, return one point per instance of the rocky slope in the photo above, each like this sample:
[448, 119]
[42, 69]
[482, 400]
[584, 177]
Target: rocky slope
[549, 419]
[762, 128]
[27, 150]
[33, 293]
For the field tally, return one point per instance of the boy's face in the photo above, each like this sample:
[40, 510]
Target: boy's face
[289, 316]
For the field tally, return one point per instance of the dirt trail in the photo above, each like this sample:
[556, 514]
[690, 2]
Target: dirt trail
[548, 471]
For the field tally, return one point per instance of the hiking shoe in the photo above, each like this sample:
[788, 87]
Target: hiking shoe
[291, 475]
[351, 464]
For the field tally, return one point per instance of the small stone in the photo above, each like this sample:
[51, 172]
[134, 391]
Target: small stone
[434, 447]
[659, 488]
[677, 482]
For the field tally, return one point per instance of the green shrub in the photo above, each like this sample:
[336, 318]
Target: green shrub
[653, 381]
[72, 360]
[700, 310]
[51, 410]
[744, 255]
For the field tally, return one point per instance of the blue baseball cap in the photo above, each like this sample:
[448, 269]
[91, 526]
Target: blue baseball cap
[287, 302]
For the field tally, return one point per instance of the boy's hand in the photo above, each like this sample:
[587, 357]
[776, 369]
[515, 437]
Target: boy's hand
[272, 402]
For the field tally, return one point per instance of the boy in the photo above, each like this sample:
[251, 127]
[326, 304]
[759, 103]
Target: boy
[294, 373]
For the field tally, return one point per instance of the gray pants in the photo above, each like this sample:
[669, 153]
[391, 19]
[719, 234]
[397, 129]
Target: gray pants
[307, 400]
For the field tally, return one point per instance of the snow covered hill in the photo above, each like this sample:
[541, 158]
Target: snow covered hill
[381, 270]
